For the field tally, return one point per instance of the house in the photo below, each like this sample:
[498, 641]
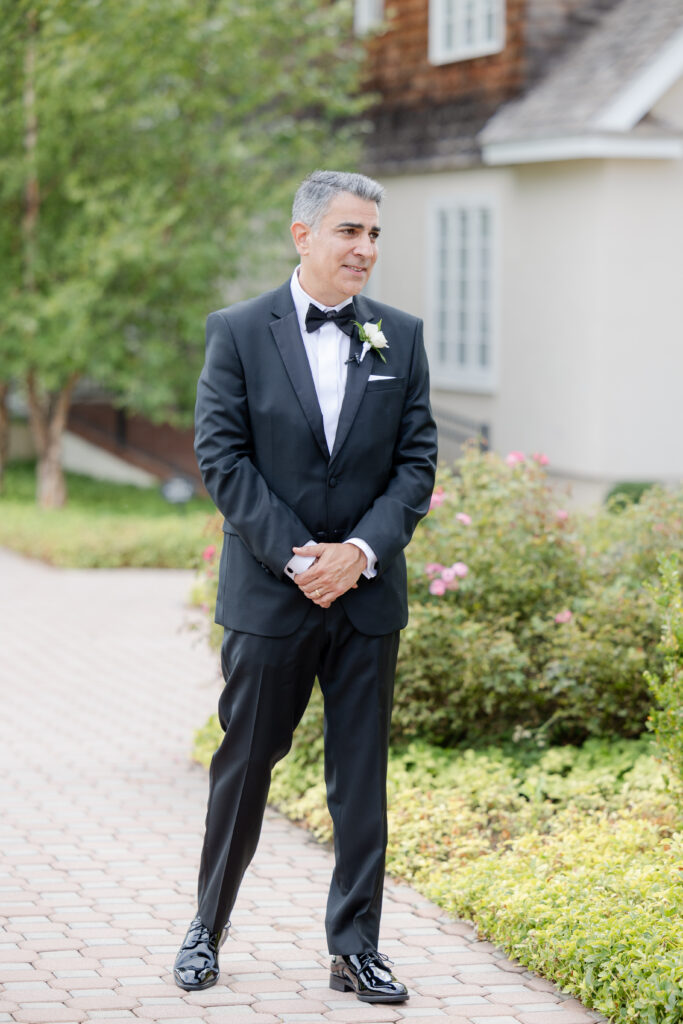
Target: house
[533, 156]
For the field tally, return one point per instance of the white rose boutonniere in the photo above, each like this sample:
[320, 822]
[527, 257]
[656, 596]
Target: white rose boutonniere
[372, 338]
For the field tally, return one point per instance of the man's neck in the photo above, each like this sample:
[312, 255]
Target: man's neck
[328, 301]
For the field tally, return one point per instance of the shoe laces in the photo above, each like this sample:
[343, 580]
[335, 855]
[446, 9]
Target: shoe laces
[198, 932]
[376, 959]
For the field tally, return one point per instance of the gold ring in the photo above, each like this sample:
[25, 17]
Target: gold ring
[317, 593]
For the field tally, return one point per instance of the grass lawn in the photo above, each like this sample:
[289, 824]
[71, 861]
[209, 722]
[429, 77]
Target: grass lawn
[103, 524]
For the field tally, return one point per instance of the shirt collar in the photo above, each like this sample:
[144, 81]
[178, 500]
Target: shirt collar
[302, 300]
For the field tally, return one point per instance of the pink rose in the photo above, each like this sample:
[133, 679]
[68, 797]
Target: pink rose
[433, 568]
[514, 457]
[437, 498]
[437, 587]
[209, 552]
[448, 575]
[540, 458]
[460, 570]
[561, 514]
[563, 616]
[463, 518]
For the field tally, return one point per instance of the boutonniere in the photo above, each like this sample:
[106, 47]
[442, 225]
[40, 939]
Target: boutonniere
[372, 338]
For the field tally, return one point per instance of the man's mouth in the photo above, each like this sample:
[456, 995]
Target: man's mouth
[355, 269]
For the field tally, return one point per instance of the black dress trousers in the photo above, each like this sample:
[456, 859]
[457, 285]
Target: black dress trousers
[268, 683]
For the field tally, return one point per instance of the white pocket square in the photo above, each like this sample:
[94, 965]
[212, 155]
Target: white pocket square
[378, 376]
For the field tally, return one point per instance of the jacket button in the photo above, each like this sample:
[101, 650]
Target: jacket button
[333, 481]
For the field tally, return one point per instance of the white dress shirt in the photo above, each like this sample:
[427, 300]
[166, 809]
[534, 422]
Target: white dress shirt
[327, 350]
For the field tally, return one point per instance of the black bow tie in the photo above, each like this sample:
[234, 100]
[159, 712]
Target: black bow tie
[344, 318]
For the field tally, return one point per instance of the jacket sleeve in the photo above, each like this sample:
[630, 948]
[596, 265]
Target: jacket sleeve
[389, 523]
[224, 449]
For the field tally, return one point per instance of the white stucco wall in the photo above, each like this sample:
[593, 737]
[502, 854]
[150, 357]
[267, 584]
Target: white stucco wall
[641, 320]
[546, 280]
[549, 397]
[589, 314]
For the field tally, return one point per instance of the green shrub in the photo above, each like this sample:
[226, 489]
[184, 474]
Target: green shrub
[627, 492]
[625, 543]
[548, 628]
[667, 689]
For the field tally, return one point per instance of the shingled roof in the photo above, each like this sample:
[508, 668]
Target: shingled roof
[601, 89]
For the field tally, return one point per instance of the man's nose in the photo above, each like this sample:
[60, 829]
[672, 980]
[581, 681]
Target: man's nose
[365, 246]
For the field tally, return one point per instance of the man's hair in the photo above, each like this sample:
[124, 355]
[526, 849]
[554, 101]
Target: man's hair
[317, 191]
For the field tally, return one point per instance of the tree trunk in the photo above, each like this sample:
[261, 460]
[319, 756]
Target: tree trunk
[31, 189]
[50, 481]
[48, 414]
[4, 431]
[48, 411]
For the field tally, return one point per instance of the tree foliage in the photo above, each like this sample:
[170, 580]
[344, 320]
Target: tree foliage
[168, 138]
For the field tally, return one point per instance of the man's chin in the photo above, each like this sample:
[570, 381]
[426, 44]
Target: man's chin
[354, 283]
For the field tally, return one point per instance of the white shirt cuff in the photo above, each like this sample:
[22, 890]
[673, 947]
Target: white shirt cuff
[299, 563]
[371, 571]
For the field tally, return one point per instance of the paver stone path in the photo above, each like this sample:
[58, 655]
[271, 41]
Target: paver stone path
[102, 684]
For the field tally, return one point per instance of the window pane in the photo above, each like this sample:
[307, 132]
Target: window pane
[469, 36]
[461, 29]
[463, 291]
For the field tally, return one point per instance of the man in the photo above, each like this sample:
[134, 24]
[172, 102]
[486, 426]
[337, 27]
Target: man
[320, 452]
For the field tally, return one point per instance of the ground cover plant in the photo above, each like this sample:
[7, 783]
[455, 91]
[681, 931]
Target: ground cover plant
[570, 858]
[104, 525]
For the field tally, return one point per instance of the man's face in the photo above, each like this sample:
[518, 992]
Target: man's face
[337, 258]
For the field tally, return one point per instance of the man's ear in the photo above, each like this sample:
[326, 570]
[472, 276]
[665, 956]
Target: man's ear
[301, 234]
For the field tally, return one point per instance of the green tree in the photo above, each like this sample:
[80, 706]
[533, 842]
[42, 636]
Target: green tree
[148, 153]
[666, 718]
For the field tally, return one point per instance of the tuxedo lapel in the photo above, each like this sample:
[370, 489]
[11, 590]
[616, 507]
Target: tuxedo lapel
[288, 339]
[356, 379]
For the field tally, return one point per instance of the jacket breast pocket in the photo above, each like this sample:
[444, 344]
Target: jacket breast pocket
[391, 384]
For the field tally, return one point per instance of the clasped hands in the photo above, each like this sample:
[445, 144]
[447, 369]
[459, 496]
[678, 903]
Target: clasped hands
[336, 569]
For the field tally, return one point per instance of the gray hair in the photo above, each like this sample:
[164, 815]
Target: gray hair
[317, 191]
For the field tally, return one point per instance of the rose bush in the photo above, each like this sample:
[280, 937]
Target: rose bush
[525, 617]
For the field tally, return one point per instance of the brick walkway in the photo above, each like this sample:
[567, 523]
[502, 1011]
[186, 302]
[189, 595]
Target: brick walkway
[101, 816]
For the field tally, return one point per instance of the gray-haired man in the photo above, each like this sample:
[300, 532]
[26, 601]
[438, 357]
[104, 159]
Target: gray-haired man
[316, 442]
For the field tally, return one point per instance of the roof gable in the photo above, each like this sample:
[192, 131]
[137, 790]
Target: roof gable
[601, 90]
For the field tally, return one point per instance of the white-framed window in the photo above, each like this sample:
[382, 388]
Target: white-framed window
[367, 14]
[461, 29]
[463, 285]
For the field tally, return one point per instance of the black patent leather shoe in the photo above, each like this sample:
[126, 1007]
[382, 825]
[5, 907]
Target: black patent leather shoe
[368, 976]
[196, 965]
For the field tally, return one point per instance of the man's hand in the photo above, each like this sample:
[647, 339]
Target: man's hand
[336, 569]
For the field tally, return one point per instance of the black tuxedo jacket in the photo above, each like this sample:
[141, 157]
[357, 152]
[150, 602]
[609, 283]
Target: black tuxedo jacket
[262, 452]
